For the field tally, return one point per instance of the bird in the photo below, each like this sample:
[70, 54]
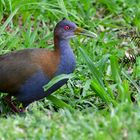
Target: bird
[23, 73]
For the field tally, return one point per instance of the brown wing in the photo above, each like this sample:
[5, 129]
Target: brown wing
[15, 68]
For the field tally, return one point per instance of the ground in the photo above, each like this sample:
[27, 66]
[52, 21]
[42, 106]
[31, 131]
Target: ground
[102, 97]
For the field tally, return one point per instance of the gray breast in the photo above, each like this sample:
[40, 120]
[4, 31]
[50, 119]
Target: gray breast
[67, 62]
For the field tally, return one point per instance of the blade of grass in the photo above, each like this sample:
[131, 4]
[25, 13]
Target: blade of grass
[56, 80]
[122, 86]
[59, 102]
[97, 83]
[95, 72]
[99, 90]
[63, 8]
[115, 69]
[52, 98]
[131, 81]
[2, 28]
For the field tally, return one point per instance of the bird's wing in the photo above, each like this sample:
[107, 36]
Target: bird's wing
[15, 69]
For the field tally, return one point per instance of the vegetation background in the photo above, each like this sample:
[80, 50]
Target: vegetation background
[102, 98]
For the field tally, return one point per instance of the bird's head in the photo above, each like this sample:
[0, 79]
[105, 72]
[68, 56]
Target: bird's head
[66, 29]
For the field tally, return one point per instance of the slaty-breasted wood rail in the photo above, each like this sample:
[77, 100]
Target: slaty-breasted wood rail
[24, 73]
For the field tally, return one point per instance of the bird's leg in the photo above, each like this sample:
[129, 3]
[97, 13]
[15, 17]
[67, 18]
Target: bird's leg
[8, 100]
[10, 103]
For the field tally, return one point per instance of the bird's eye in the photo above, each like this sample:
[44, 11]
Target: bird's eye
[66, 27]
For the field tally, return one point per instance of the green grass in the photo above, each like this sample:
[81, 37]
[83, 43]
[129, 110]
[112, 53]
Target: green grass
[120, 123]
[102, 97]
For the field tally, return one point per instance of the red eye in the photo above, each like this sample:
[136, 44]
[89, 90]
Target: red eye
[66, 27]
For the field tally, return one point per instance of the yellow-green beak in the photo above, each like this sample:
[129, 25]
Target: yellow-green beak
[80, 31]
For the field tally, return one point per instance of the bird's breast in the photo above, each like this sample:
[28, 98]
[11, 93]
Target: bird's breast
[67, 62]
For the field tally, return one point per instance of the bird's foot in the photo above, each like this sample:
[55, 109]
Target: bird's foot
[13, 106]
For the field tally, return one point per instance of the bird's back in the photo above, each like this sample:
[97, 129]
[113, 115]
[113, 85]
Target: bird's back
[17, 67]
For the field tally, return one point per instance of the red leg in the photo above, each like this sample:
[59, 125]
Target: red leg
[13, 107]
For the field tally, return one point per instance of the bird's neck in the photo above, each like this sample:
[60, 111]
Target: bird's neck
[67, 59]
[61, 44]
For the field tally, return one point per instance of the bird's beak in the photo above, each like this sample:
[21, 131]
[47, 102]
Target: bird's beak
[80, 31]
